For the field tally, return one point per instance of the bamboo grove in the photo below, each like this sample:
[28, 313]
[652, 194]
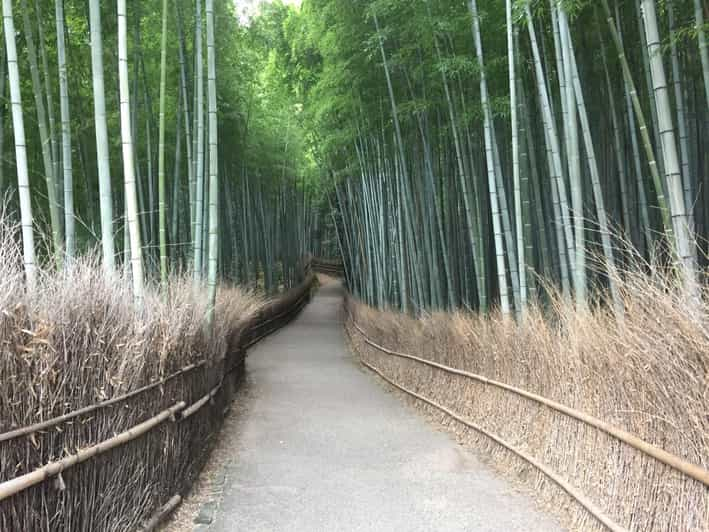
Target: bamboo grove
[478, 150]
[134, 128]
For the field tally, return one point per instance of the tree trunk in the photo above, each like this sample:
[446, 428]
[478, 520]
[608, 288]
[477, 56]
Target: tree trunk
[642, 124]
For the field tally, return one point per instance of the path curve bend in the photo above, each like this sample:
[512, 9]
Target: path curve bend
[322, 446]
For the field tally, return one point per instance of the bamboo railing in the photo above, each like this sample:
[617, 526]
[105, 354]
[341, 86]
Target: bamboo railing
[268, 319]
[689, 470]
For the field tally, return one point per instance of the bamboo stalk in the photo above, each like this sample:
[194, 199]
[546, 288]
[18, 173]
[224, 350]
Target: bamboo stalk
[68, 171]
[104, 166]
[18, 124]
[197, 405]
[162, 194]
[129, 177]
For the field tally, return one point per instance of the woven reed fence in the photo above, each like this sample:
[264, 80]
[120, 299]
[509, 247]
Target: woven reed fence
[124, 463]
[545, 421]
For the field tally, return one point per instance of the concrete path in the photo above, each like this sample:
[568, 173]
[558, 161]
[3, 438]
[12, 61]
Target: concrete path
[321, 446]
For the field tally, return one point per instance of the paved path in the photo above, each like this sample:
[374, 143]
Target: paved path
[321, 446]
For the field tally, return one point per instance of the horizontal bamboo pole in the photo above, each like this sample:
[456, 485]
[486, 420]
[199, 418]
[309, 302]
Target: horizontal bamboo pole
[21, 483]
[693, 471]
[594, 510]
[30, 429]
[159, 516]
[194, 407]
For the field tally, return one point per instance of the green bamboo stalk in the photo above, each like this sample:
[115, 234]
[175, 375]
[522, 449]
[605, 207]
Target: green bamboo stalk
[199, 178]
[162, 200]
[104, 166]
[492, 184]
[213, 164]
[683, 237]
[703, 48]
[50, 176]
[519, 216]
[69, 225]
[18, 124]
[131, 201]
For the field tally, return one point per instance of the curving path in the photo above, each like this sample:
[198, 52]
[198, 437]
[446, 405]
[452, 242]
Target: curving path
[321, 446]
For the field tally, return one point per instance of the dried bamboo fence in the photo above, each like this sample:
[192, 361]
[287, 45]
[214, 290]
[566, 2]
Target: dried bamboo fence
[565, 445]
[125, 463]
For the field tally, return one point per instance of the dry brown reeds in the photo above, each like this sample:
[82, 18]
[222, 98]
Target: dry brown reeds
[647, 374]
[78, 340]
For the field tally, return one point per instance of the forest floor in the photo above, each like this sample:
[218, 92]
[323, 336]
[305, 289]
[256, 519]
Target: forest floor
[313, 442]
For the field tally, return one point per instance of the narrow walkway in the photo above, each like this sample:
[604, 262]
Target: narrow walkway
[321, 446]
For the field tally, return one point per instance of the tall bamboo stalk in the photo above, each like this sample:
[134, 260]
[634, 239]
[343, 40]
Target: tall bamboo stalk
[186, 115]
[23, 181]
[131, 200]
[703, 48]
[162, 217]
[68, 172]
[199, 169]
[18, 124]
[554, 149]
[213, 163]
[682, 132]
[573, 158]
[492, 180]
[590, 150]
[49, 173]
[48, 91]
[402, 158]
[642, 124]
[3, 91]
[103, 163]
[519, 217]
[683, 238]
